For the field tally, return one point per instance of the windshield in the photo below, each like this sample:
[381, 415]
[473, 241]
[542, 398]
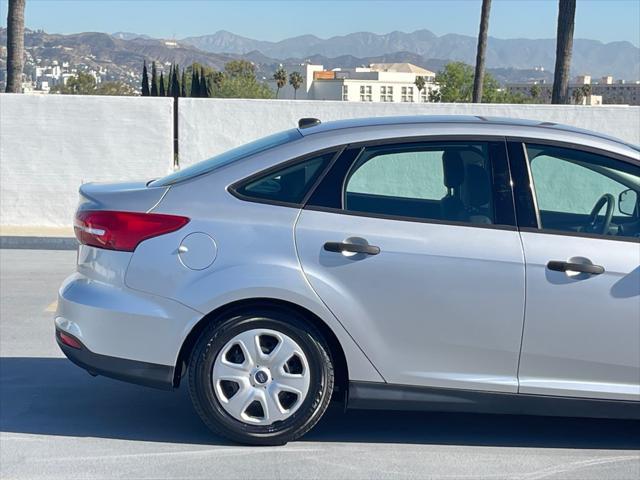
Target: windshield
[228, 157]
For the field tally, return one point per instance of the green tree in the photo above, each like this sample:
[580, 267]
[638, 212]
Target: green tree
[564, 45]
[217, 79]
[154, 80]
[145, 81]
[79, 84]
[535, 91]
[161, 90]
[205, 88]
[455, 82]
[240, 69]
[15, 45]
[295, 80]
[183, 84]
[420, 83]
[479, 76]
[195, 79]
[114, 88]
[175, 82]
[280, 76]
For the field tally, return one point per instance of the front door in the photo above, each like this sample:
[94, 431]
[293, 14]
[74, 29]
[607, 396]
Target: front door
[582, 321]
[413, 248]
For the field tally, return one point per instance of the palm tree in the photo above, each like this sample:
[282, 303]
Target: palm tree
[15, 45]
[296, 80]
[577, 96]
[478, 79]
[564, 45]
[420, 83]
[281, 79]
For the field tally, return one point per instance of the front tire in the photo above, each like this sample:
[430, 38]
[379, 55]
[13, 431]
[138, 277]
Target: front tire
[261, 378]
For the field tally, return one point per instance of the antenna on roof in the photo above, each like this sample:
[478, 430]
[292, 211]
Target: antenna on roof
[308, 122]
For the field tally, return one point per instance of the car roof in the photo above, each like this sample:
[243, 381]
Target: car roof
[506, 124]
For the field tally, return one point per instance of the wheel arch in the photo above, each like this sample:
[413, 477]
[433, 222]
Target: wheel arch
[336, 350]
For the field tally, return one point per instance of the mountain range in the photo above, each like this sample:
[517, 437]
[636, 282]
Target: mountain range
[516, 60]
[620, 59]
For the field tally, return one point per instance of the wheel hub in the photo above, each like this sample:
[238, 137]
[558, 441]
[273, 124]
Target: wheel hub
[261, 376]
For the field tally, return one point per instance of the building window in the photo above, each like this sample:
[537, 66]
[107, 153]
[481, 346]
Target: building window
[386, 93]
[407, 94]
[345, 93]
[423, 95]
[365, 93]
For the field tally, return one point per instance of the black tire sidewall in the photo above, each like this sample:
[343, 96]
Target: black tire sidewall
[211, 410]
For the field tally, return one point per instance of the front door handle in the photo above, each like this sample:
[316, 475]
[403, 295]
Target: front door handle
[560, 266]
[341, 247]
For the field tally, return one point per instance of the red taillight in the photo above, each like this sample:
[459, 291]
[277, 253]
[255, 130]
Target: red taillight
[122, 230]
[69, 340]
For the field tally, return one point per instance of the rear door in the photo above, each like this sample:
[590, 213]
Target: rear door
[582, 321]
[413, 247]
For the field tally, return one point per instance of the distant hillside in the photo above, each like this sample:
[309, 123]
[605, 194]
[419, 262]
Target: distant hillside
[620, 59]
[121, 57]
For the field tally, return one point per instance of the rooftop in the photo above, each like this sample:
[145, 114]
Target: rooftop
[400, 67]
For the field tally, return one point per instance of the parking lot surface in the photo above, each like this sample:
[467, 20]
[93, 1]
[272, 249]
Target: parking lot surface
[57, 422]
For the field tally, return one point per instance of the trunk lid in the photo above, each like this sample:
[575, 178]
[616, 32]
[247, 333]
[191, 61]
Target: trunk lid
[125, 196]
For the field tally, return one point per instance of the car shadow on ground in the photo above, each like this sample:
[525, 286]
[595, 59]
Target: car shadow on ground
[51, 396]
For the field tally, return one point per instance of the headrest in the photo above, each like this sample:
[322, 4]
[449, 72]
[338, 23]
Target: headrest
[453, 168]
[477, 186]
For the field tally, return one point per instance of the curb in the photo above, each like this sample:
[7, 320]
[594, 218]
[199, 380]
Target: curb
[14, 242]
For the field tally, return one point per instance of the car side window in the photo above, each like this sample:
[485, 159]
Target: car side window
[582, 192]
[286, 185]
[442, 182]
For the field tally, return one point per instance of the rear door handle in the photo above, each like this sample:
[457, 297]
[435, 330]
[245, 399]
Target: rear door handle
[560, 266]
[341, 247]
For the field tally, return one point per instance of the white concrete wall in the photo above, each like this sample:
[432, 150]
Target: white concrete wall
[50, 144]
[211, 126]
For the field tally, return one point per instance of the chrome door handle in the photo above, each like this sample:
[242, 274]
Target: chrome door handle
[341, 247]
[560, 266]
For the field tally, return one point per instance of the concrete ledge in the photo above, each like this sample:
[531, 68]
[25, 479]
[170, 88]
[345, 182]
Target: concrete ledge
[37, 243]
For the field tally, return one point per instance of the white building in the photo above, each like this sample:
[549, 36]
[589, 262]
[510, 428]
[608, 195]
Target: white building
[605, 91]
[380, 82]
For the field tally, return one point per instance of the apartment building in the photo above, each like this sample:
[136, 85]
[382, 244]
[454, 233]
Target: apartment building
[379, 82]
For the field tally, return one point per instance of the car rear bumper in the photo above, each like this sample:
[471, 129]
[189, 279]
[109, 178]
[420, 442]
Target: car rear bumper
[132, 371]
[123, 333]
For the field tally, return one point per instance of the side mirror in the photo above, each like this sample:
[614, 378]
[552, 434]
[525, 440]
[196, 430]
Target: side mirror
[628, 201]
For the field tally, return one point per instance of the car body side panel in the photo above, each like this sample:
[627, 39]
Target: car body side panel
[255, 258]
[582, 333]
[440, 305]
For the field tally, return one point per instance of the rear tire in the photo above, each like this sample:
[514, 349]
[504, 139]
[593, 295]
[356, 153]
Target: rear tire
[280, 397]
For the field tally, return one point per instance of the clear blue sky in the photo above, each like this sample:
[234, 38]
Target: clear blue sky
[605, 20]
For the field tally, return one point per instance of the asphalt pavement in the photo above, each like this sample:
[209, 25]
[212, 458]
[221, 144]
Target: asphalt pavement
[57, 422]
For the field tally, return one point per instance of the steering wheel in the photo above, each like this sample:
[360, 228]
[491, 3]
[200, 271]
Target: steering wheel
[593, 226]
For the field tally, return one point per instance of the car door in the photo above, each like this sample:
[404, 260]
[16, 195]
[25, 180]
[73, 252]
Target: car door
[412, 246]
[582, 322]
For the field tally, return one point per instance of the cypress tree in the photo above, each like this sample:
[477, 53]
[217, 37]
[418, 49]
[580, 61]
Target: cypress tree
[161, 91]
[183, 90]
[154, 80]
[145, 80]
[175, 82]
[195, 87]
[169, 90]
[204, 85]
